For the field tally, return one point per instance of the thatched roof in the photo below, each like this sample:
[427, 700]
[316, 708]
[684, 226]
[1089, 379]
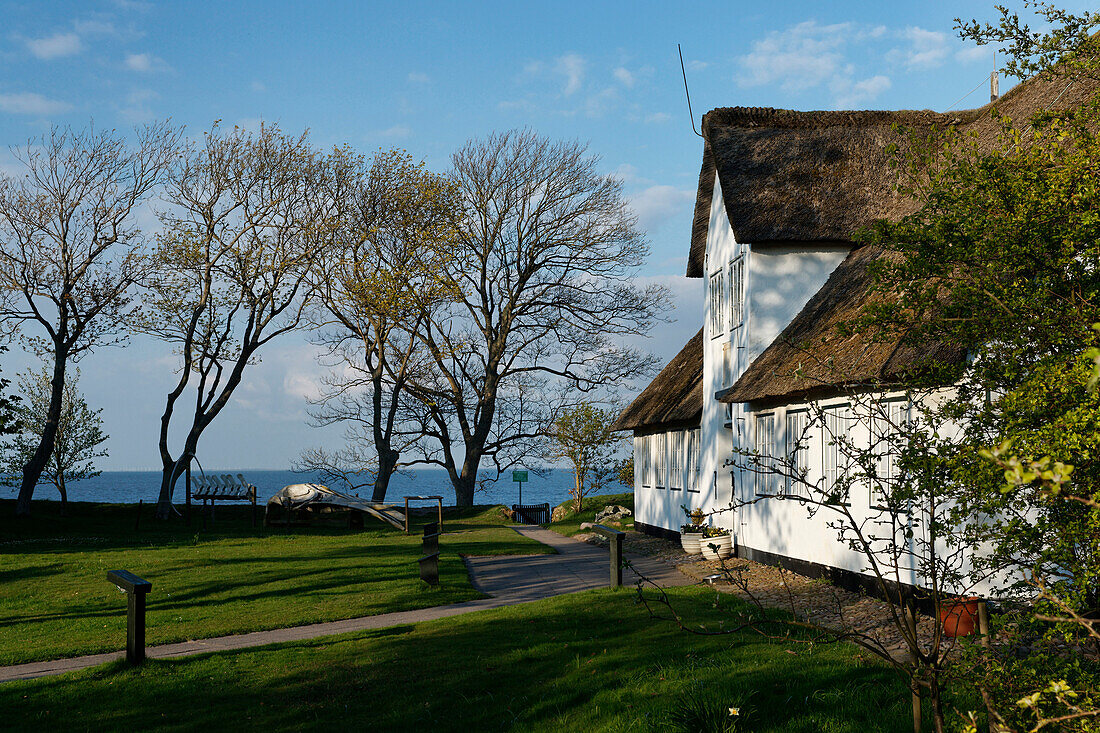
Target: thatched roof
[819, 176]
[810, 355]
[675, 397]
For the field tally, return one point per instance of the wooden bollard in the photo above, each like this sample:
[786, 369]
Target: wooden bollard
[615, 541]
[429, 563]
[136, 589]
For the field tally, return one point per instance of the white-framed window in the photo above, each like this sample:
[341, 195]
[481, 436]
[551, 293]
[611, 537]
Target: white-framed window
[662, 458]
[676, 460]
[641, 457]
[834, 460]
[737, 292]
[691, 483]
[796, 448]
[717, 302]
[887, 419]
[764, 438]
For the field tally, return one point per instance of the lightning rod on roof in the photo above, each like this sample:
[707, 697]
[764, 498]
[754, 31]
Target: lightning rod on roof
[686, 92]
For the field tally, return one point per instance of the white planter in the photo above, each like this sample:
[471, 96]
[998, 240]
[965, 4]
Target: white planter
[722, 547]
[690, 542]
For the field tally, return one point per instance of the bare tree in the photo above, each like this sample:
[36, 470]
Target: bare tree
[247, 216]
[70, 250]
[542, 266]
[375, 290]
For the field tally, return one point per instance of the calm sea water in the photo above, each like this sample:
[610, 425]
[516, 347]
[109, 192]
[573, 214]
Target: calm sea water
[128, 487]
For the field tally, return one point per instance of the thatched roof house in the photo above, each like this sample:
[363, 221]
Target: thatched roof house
[791, 177]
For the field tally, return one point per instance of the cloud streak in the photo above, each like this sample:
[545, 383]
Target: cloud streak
[56, 46]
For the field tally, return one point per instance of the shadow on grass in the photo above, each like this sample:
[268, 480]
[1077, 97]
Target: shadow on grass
[592, 661]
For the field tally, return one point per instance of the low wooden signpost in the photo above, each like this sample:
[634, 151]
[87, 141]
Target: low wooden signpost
[615, 543]
[429, 563]
[136, 589]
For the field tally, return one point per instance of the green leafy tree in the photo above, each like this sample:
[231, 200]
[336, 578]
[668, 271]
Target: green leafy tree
[582, 435]
[79, 432]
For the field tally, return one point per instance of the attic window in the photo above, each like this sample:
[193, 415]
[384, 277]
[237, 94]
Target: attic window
[717, 303]
[737, 292]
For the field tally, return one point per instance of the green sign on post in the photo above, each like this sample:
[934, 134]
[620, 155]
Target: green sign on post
[519, 477]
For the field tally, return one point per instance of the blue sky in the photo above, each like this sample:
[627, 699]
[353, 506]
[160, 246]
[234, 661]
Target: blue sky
[426, 77]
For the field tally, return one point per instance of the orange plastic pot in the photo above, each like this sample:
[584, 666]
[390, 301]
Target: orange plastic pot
[959, 616]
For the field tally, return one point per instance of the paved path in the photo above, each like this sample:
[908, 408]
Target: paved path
[507, 579]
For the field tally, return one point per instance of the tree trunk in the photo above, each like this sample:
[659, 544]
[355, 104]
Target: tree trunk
[387, 462]
[64, 494]
[170, 474]
[466, 482]
[32, 471]
[578, 494]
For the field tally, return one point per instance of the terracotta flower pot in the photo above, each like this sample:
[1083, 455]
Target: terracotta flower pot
[959, 616]
[690, 542]
[723, 547]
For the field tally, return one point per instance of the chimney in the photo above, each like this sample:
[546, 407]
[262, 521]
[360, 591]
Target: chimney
[994, 87]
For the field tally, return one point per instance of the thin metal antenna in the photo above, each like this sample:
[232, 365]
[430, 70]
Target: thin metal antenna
[686, 92]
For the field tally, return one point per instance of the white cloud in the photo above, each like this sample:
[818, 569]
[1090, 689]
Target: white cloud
[138, 108]
[571, 66]
[302, 386]
[927, 49]
[145, 63]
[623, 76]
[812, 56]
[657, 204]
[657, 117]
[258, 86]
[94, 27]
[801, 57]
[395, 131]
[29, 103]
[850, 94]
[974, 53]
[419, 77]
[55, 46]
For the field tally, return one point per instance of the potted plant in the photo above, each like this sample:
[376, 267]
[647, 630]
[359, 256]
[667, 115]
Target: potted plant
[959, 616]
[717, 543]
[691, 534]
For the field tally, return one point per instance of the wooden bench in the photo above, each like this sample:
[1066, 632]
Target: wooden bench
[224, 488]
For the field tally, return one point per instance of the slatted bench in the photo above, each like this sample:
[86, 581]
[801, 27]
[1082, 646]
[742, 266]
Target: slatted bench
[214, 488]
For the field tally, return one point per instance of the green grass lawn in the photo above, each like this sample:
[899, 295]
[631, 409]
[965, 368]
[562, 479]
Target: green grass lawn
[55, 600]
[591, 661]
[590, 506]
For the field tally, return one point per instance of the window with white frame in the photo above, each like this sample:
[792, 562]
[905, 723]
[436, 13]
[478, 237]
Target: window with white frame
[662, 458]
[887, 421]
[796, 448]
[737, 292]
[764, 434]
[676, 460]
[834, 460]
[641, 456]
[717, 302]
[692, 459]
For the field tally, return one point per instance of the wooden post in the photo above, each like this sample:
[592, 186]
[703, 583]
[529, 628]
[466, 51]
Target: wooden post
[617, 560]
[136, 589]
[429, 563]
[615, 543]
[406, 515]
[440, 514]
